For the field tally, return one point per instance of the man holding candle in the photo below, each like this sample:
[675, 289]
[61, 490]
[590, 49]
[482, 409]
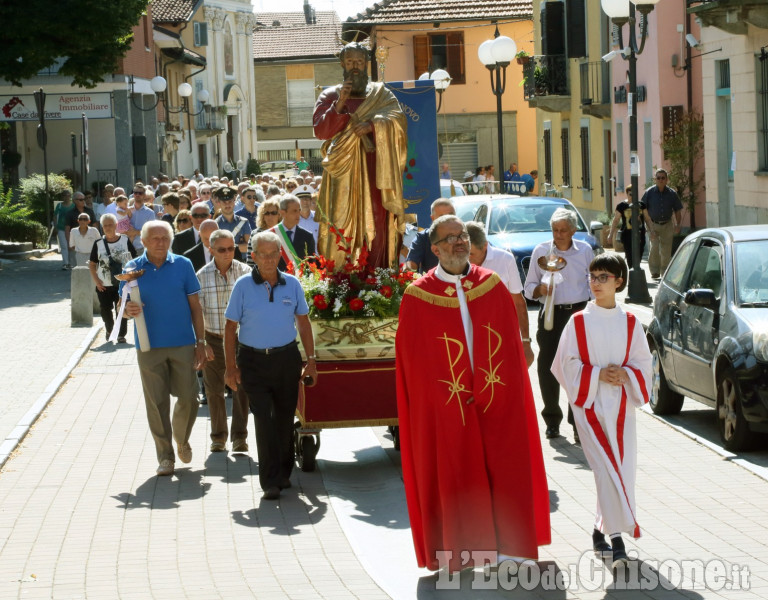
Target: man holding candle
[174, 325]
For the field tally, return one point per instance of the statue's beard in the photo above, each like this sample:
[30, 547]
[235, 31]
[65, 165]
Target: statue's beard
[359, 81]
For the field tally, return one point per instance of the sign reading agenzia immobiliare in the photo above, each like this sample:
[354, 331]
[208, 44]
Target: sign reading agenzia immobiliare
[57, 107]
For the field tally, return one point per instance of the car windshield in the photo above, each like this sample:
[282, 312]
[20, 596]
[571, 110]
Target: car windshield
[445, 191]
[751, 266]
[524, 217]
[466, 209]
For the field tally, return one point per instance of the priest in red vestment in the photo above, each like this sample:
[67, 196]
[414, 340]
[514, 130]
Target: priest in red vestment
[363, 162]
[471, 455]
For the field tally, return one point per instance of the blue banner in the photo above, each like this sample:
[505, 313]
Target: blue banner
[421, 179]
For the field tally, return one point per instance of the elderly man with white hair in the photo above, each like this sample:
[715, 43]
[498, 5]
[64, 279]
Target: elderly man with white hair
[108, 256]
[266, 310]
[176, 331]
[570, 296]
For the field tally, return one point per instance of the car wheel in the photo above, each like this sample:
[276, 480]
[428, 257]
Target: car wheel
[734, 429]
[664, 401]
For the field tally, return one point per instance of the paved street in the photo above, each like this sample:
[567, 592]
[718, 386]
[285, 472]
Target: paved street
[82, 514]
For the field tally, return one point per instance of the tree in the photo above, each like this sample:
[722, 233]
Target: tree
[683, 148]
[89, 35]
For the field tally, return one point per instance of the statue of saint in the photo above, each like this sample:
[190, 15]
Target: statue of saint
[364, 156]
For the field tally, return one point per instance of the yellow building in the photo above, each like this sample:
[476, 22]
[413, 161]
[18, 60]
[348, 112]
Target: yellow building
[569, 85]
[412, 37]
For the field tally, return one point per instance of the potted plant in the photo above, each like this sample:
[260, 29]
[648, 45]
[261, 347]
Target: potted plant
[541, 80]
[522, 57]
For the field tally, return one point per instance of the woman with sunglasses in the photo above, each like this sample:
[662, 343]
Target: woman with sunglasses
[267, 216]
[183, 221]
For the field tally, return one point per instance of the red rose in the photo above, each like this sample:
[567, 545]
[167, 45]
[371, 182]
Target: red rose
[320, 302]
[349, 267]
[371, 281]
[356, 304]
[386, 291]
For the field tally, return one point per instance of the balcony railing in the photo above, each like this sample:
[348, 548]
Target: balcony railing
[546, 76]
[595, 80]
[210, 120]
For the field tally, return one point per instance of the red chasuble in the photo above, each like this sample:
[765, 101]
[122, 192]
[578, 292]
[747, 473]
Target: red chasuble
[471, 454]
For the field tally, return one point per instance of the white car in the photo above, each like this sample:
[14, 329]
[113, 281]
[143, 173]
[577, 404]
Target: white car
[275, 168]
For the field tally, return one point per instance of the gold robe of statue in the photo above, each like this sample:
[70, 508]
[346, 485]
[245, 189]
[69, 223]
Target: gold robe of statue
[362, 192]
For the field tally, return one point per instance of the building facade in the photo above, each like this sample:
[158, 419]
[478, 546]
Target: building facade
[734, 63]
[295, 56]
[413, 37]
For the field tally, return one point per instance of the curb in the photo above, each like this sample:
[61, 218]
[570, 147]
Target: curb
[756, 470]
[23, 426]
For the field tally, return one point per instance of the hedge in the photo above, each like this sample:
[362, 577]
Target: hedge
[15, 229]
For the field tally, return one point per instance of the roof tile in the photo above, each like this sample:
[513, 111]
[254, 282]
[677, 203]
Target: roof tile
[172, 11]
[298, 40]
[417, 11]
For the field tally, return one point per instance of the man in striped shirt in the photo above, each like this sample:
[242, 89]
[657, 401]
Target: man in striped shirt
[216, 281]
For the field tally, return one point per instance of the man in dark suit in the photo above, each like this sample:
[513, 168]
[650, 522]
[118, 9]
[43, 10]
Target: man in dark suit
[296, 242]
[200, 254]
[189, 238]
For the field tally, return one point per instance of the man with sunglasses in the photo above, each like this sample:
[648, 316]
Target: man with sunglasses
[468, 430]
[216, 281]
[239, 226]
[141, 213]
[189, 238]
[666, 213]
[252, 199]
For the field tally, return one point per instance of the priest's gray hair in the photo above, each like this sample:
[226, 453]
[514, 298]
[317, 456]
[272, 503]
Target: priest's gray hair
[563, 214]
[442, 221]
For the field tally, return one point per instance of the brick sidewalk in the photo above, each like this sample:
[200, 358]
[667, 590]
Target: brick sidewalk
[38, 347]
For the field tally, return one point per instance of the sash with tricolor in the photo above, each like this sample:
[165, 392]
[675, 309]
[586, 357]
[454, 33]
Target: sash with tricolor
[287, 251]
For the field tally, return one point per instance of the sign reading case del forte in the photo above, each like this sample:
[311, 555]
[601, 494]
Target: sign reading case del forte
[57, 107]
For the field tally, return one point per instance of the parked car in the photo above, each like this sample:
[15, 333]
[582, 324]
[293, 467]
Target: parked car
[518, 224]
[275, 168]
[709, 333]
[445, 188]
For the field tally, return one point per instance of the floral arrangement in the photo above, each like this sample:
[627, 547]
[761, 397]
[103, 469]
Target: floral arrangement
[354, 289]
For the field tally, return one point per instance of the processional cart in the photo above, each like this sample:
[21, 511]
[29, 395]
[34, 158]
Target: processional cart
[353, 310]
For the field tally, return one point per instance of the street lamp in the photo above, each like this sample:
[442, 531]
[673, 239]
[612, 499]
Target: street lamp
[622, 12]
[441, 79]
[159, 85]
[496, 54]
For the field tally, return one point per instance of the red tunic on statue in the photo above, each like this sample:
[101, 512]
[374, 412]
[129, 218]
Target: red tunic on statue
[471, 454]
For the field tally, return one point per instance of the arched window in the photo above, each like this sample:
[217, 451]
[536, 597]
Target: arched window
[229, 59]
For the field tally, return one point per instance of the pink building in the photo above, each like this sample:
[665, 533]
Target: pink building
[669, 85]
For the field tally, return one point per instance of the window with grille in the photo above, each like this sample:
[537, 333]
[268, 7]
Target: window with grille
[761, 73]
[586, 181]
[566, 150]
[301, 101]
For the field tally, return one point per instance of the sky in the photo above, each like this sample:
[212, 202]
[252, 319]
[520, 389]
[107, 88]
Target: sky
[344, 8]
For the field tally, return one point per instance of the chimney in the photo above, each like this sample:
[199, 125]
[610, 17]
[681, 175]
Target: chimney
[307, 12]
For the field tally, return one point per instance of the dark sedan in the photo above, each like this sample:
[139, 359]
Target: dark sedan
[709, 333]
[518, 225]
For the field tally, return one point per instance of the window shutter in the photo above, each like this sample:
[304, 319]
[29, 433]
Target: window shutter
[553, 28]
[577, 29]
[566, 155]
[548, 155]
[420, 55]
[455, 54]
[586, 176]
[200, 34]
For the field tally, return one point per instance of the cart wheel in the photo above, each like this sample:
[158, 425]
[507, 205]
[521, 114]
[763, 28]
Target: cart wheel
[306, 453]
[396, 437]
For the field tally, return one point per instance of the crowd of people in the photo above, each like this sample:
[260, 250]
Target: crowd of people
[218, 297]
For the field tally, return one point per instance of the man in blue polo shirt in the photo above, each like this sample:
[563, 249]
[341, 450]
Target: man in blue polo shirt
[269, 306]
[174, 318]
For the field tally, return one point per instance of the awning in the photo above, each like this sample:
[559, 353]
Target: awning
[185, 55]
